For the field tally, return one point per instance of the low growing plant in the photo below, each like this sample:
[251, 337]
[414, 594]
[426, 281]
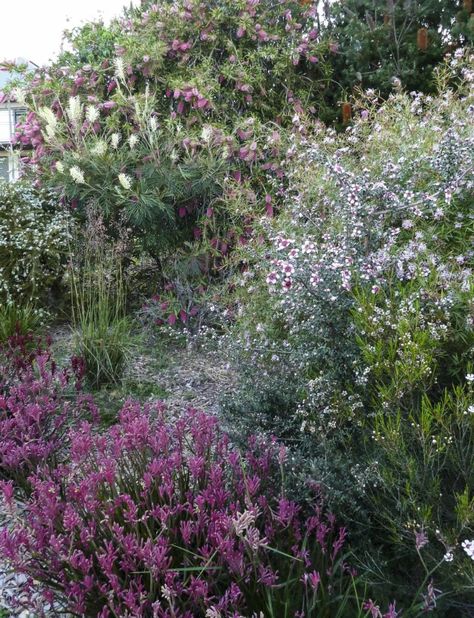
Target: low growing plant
[38, 404]
[163, 517]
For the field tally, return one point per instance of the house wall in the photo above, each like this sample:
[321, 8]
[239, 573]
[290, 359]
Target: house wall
[9, 168]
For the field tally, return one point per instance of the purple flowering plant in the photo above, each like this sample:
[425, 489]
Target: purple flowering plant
[164, 517]
[38, 403]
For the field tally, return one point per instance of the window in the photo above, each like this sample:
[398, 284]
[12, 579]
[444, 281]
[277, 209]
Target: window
[4, 168]
[18, 115]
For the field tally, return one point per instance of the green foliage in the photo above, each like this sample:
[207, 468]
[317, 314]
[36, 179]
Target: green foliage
[358, 313]
[17, 320]
[158, 117]
[378, 42]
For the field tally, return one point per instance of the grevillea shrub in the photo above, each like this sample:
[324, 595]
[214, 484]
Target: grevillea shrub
[183, 109]
[163, 517]
[38, 404]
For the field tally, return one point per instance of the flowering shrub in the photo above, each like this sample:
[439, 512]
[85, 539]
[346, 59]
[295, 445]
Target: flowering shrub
[38, 403]
[367, 307]
[163, 517]
[33, 243]
[190, 106]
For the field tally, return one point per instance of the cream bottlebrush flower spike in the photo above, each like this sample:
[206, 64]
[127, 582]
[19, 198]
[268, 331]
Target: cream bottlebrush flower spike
[47, 114]
[115, 140]
[125, 181]
[119, 68]
[74, 110]
[77, 175]
[92, 113]
[99, 149]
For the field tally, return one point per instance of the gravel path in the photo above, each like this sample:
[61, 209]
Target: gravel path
[191, 378]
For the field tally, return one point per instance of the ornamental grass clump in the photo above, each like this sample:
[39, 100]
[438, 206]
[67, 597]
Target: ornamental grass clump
[38, 403]
[101, 327]
[164, 517]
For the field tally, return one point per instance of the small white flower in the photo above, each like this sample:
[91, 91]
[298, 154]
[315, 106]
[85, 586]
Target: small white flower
[74, 110]
[448, 556]
[286, 268]
[470, 377]
[272, 278]
[77, 175]
[115, 140]
[132, 141]
[59, 167]
[468, 547]
[92, 113]
[471, 409]
[284, 243]
[166, 592]
[125, 181]
[308, 247]
[153, 123]
[99, 149]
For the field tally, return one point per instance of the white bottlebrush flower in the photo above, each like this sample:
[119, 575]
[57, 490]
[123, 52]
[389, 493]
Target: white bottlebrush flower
[125, 181]
[59, 167]
[119, 68]
[206, 134]
[92, 113]
[77, 175]
[132, 141]
[74, 110]
[115, 140]
[153, 123]
[48, 116]
[19, 95]
[48, 133]
[99, 149]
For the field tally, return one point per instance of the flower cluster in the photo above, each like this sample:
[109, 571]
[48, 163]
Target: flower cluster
[33, 243]
[173, 113]
[164, 517]
[38, 404]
